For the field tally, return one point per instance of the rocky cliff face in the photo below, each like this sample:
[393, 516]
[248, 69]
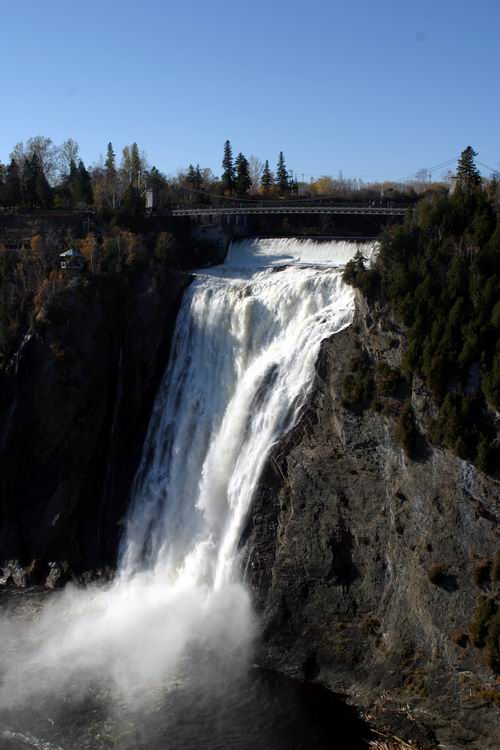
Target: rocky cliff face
[74, 407]
[367, 567]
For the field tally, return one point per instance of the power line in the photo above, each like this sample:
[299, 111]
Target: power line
[442, 165]
[495, 171]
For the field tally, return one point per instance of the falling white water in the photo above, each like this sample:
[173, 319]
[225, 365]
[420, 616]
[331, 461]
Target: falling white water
[244, 351]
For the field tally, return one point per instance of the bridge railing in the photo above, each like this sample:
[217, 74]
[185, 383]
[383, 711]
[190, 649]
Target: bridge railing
[260, 210]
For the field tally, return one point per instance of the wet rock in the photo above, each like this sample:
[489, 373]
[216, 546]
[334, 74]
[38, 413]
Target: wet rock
[59, 574]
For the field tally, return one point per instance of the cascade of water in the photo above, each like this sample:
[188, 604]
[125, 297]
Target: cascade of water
[242, 364]
[244, 355]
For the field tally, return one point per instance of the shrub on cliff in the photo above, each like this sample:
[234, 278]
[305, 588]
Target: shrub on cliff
[357, 388]
[367, 280]
[485, 630]
[407, 433]
[388, 379]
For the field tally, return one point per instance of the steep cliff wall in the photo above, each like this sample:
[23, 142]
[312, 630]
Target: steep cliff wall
[367, 567]
[74, 407]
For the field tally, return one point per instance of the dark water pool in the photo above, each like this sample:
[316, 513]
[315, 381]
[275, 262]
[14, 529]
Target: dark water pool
[207, 706]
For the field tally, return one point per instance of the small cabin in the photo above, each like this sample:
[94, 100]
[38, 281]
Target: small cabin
[72, 261]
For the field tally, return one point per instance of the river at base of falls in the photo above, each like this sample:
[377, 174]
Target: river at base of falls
[210, 704]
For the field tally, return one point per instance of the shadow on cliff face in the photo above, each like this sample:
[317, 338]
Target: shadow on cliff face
[74, 409]
[343, 570]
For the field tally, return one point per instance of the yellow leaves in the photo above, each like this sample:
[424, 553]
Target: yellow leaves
[37, 244]
[324, 185]
[88, 246]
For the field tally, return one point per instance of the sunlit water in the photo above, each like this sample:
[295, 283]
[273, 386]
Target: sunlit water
[165, 650]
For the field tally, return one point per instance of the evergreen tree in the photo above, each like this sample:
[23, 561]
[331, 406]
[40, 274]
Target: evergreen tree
[199, 177]
[13, 195]
[135, 166]
[243, 181]
[110, 176]
[32, 169]
[84, 185]
[228, 176]
[71, 183]
[282, 179]
[191, 176]
[42, 189]
[266, 180]
[2, 184]
[110, 162]
[194, 178]
[467, 172]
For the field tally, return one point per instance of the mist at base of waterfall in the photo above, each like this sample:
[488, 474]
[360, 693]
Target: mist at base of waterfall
[212, 699]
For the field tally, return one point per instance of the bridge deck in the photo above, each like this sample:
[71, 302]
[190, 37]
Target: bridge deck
[249, 210]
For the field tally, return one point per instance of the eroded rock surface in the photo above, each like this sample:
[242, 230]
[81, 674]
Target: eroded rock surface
[339, 551]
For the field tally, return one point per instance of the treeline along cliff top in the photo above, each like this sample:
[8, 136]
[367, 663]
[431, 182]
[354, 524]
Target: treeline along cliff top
[45, 176]
[439, 274]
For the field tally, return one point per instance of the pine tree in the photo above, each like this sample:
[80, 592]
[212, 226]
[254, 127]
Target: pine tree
[191, 176]
[467, 172]
[282, 179]
[12, 190]
[135, 166]
[42, 190]
[266, 180]
[228, 176]
[243, 180]
[110, 176]
[2, 184]
[110, 162]
[32, 169]
[84, 185]
[198, 178]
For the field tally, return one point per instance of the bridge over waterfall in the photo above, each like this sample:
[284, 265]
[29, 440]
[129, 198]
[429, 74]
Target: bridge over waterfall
[264, 209]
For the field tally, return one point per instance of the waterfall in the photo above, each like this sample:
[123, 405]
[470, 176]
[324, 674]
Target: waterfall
[243, 357]
[244, 352]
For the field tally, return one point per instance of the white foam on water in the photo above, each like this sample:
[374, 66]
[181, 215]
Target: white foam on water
[263, 253]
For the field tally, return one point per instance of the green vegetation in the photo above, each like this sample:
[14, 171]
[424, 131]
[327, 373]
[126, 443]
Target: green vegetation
[367, 280]
[388, 380]
[357, 388]
[440, 274]
[243, 183]
[407, 433]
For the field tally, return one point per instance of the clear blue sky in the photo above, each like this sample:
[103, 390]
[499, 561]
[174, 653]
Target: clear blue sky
[375, 88]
